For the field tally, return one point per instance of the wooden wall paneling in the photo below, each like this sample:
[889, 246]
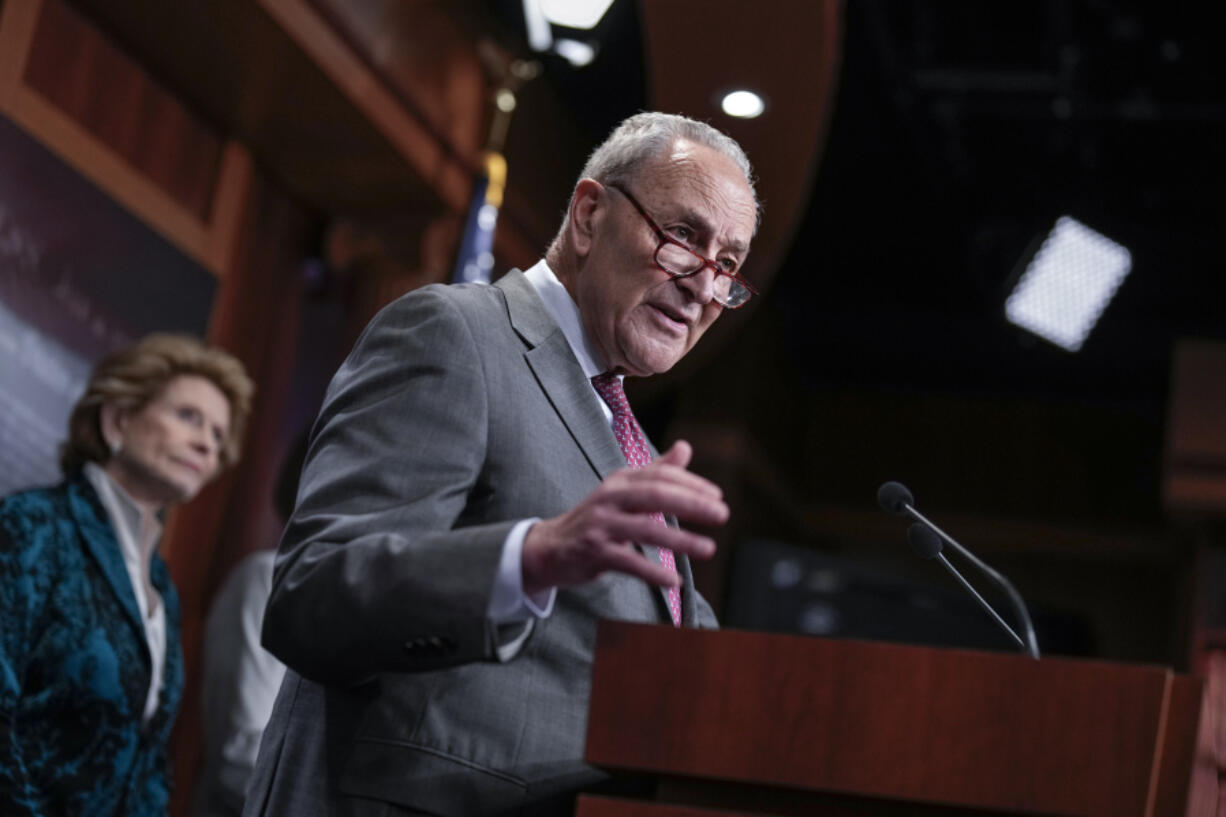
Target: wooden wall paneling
[426, 60]
[240, 68]
[327, 49]
[111, 172]
[430, 63]
[85, 75]
[30, 31]
[331, 127]
[1195, 478]
[446, 155]
[233, 188]
[17, 21]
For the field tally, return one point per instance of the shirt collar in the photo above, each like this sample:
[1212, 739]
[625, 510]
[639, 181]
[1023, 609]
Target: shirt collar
[133, 525]
[565, 312]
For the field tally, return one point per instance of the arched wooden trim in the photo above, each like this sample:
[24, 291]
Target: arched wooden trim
[211, 244]
[17, 21]
[231, 196]
[328, 49]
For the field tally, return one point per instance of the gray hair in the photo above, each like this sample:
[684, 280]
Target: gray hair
[650, 135]
[647, 136]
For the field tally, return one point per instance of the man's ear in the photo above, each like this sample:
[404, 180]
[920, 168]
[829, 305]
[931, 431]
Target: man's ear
[587, 209]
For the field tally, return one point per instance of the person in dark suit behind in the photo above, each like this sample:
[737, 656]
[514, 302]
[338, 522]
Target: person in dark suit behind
[466, 512]
[90, 663]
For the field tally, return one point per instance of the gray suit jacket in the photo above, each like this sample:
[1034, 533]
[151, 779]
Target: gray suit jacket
[460, 411]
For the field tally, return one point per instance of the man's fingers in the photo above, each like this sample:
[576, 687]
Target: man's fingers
[630, 561]
[660, 471]
[597, 535]
[679, 454]
[670, 498]
[566, 551]
[673, 465]
[645, 530]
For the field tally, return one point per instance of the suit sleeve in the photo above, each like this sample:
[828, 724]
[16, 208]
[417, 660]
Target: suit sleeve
[18, 794]
[376, 571]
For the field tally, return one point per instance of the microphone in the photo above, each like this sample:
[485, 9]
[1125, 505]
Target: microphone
[893, 497]
[926, 540]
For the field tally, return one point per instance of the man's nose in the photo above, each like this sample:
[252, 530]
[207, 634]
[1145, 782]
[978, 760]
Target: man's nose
[700, 285]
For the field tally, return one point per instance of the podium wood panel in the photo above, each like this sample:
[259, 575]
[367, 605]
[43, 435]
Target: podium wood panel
[1186, 786]
[590, 806]
[895, 723]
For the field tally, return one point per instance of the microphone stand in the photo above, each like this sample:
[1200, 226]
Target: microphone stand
[1031, 644]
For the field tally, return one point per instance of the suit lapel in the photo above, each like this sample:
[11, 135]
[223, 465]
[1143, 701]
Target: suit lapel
[560, 376]
[564, 383]
[95, 529]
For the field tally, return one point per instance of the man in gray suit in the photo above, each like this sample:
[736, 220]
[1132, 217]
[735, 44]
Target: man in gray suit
[466, 513]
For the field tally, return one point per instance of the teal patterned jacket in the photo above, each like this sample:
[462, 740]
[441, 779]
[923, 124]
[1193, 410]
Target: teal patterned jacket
[74, 664]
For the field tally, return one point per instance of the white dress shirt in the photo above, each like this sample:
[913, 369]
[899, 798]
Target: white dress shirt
[137, 532]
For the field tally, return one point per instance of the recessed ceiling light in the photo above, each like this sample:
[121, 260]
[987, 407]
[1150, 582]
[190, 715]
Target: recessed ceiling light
[582, 14]
[743, 104]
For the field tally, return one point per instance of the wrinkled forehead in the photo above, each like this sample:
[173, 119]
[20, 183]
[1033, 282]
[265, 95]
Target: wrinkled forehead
[695, 178]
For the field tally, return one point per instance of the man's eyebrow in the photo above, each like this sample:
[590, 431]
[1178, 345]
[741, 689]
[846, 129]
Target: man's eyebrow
[700, 221]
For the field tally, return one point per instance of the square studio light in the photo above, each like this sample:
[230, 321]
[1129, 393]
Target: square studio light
[1068, 284]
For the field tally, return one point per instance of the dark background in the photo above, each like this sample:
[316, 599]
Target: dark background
[960, 133]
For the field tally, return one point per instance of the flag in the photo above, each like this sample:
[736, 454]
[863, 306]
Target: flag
[475, 258]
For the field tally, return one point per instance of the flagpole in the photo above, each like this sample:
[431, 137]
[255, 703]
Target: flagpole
[475, 255]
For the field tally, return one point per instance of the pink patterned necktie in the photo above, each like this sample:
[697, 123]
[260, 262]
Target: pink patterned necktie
[634, 447]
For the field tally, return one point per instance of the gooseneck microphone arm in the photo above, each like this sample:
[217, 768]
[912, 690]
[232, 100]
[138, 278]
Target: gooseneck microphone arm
[896, 499]
[928, 545]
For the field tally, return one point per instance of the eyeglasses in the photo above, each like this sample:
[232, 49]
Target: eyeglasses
[678, 260]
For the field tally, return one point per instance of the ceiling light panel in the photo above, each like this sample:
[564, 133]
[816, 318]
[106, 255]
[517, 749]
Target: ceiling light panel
[1068, 284]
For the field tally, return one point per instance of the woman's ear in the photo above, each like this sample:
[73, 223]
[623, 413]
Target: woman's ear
[587, 207]
[112, 419]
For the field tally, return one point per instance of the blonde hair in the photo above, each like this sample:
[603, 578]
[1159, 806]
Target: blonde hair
[132, 377]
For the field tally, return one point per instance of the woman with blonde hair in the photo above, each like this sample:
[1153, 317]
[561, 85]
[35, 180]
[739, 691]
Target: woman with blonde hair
[91, 669]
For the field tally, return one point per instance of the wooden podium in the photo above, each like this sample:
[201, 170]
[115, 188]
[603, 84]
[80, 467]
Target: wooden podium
[751, 723]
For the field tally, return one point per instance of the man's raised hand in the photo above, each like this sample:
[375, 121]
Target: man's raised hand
[599, 534]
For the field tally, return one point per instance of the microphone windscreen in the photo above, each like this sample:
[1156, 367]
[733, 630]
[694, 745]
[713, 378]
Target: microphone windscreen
[923, 541]
[893, 496]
